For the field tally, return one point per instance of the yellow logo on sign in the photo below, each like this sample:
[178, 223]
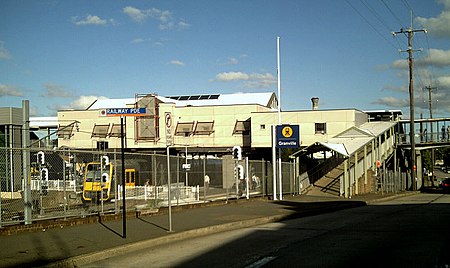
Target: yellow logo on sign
[287, 132]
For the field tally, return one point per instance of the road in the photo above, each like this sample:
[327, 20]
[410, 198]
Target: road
[406, 232]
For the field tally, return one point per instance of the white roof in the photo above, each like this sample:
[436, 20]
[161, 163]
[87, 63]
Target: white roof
[263, 99]
[111, 103]
[44, 122]
[354, 138]
[230, 99]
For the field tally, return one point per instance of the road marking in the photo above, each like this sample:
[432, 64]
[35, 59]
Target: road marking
[261, 262]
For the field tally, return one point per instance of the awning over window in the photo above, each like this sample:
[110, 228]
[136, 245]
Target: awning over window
[204, 128]
[184, 129]
[65, 132]
[100, 131]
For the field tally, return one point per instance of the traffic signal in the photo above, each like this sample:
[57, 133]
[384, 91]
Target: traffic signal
[44, 174]
[105, 177]
[240, 172]
[104, 161]
[237, 152]
[44, 189]
[41, 158]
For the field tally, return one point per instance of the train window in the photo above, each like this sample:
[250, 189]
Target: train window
[130, 177]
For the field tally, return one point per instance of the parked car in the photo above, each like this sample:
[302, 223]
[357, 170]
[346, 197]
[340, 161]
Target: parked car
[445, 184]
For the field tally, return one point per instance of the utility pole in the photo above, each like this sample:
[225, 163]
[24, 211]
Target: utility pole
[429, 88]
[410, 32]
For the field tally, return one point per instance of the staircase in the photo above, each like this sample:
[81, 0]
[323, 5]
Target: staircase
[329, 184]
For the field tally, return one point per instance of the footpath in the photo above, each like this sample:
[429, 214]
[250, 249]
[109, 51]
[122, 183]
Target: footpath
[69, 244]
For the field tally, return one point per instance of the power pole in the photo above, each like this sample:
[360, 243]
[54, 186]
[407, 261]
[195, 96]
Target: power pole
[410, 32]
[429, 88]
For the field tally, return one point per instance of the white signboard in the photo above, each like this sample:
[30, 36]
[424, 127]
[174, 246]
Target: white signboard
[168, 122]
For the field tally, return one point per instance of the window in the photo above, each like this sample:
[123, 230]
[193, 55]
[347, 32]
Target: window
[115, 131]
[242, 127]
[204, 128]
[102, 145]
[321, 128]
[262, 127]
[184, 129]
[100, 131]
[65, 132]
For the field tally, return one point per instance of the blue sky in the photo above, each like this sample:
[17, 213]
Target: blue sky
[66, 54]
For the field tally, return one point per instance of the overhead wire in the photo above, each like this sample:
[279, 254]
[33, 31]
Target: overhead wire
[392, 12]
[422, 75]
[370, 24]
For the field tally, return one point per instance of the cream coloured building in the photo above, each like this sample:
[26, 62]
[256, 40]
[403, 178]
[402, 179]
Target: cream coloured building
[210, 124]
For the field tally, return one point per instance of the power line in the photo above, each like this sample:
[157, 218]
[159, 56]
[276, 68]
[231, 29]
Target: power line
[370, 24]
[392, 12]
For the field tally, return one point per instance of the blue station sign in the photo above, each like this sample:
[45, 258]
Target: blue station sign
[287, 136]
[123, 112]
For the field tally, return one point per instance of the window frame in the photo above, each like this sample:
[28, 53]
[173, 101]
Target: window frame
[210, 128]
[320, 128]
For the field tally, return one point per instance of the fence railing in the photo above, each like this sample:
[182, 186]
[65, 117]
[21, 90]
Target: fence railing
[73, 183]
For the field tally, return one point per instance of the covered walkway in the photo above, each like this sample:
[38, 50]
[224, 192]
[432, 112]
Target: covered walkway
[361, 150]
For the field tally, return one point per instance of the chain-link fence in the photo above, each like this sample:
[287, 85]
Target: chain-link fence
[41, 184]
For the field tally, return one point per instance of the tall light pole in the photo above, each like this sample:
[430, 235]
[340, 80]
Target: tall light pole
[279, 116]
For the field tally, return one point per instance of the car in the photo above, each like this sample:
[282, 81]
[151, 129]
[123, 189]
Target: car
[445, 184]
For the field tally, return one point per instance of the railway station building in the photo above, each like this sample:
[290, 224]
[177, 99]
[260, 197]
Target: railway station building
[204, 124]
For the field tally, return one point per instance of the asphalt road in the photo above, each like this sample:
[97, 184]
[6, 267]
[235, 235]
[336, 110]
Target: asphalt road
[407, 232]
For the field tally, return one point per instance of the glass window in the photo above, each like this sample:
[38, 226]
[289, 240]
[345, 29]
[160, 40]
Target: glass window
[184, 129]
[204, 128]
[321, 128]
[100, 131]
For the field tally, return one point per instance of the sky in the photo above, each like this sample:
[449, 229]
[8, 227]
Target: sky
[66, 54]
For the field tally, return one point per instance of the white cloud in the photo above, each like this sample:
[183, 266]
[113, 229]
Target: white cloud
[81, 103]
[253, 80]
[232, 61]
[444, 82]
[439, 26]
[90, 20]
[176, 62]
[400, 64]
[231, 76]
[137, 40]
[403, 89]
[8, 90]
[183, 25]
[4, 53]
[392, 102]
[56, 91]
[165, 17]
[134, 13]
[436, 57]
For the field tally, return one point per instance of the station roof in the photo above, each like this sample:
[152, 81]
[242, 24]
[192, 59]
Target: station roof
[353, 139]
[44, 122]
[267, 99]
